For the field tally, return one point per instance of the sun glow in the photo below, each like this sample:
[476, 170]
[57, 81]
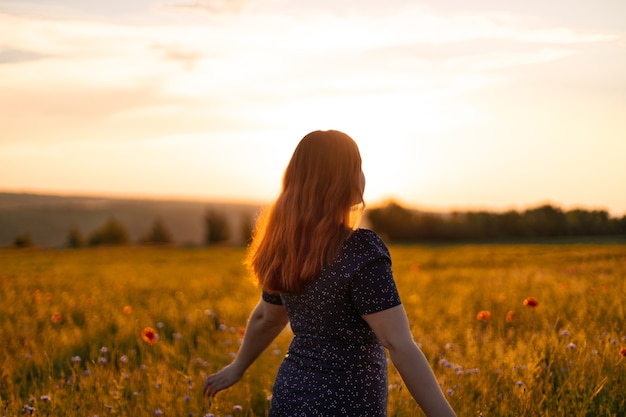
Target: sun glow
[479, 108]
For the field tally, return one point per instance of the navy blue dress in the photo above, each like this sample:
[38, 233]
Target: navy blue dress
[335, 365]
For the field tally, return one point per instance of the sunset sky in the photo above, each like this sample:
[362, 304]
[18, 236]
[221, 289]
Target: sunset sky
[488, 104]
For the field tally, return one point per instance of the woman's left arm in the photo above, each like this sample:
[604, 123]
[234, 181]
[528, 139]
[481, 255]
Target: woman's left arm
[265, 323]
[391, 326]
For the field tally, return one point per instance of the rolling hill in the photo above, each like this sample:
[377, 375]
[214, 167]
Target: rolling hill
[47, 219]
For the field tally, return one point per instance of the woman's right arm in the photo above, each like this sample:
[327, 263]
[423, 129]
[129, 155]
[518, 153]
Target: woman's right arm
[265, 323]
[391, 326]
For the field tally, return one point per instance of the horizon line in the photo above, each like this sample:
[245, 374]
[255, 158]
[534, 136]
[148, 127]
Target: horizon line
[112, 195]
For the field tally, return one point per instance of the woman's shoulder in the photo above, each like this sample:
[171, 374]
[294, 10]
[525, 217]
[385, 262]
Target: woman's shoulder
[368, 241]
[362, 247]
[366, 234]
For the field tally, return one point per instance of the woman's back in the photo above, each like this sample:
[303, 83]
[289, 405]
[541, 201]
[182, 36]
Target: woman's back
[335, 364]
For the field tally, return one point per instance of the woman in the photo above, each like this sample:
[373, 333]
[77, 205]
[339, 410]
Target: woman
[333, 283]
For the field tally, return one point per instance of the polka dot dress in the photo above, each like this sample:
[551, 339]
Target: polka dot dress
[335, 365]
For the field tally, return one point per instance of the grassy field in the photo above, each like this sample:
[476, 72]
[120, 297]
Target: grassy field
[510, 330]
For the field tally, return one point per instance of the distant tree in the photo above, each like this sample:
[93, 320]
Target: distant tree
[621, 225]
[481, 225]
[23, 241]
[217, 228]
[75, 238]
[546, 221]
[159, 234]
[393, 222]
[247, 228]
[511, 224]
[111, 233]
[583, 222]
[456, 226]
[426, 226]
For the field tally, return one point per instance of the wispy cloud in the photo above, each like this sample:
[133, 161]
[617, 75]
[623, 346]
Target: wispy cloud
[18, 55]
[564, 36]
[178, 54]
[211, 6]
[237, 66]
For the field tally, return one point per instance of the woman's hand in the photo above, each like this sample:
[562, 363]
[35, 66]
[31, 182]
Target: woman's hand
[221, 380]
[265, 323]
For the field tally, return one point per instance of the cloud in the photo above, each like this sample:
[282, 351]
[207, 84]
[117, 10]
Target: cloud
[211, 6]
[561, 35]
[18, 55]
[181, 55]
[245, 68]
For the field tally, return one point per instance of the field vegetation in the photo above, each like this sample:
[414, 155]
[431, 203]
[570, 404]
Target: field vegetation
[510, 330]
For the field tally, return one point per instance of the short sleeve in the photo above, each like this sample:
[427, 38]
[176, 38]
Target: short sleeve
[272, 298]
[373, 287]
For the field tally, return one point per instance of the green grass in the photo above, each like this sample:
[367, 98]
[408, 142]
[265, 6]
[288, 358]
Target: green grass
[71, 323]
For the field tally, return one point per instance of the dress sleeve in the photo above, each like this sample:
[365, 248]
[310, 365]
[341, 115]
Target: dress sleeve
[373, 287]
[272, 298]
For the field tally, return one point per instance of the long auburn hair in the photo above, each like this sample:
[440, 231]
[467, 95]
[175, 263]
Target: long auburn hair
[313, 215]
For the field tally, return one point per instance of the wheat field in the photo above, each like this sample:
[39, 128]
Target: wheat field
[510, 330]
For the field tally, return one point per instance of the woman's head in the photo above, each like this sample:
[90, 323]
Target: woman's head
[313, 215]
[324, 174]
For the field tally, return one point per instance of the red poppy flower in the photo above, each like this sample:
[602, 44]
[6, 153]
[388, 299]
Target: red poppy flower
[510, 316]
[56, 318]
[128, 310]
[149, 335]
[622, 351]
[531, 302]
[483, 315]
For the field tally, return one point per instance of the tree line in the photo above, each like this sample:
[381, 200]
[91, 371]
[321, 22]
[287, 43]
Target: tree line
[392, 221]
[114, 233]
[399, 224]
